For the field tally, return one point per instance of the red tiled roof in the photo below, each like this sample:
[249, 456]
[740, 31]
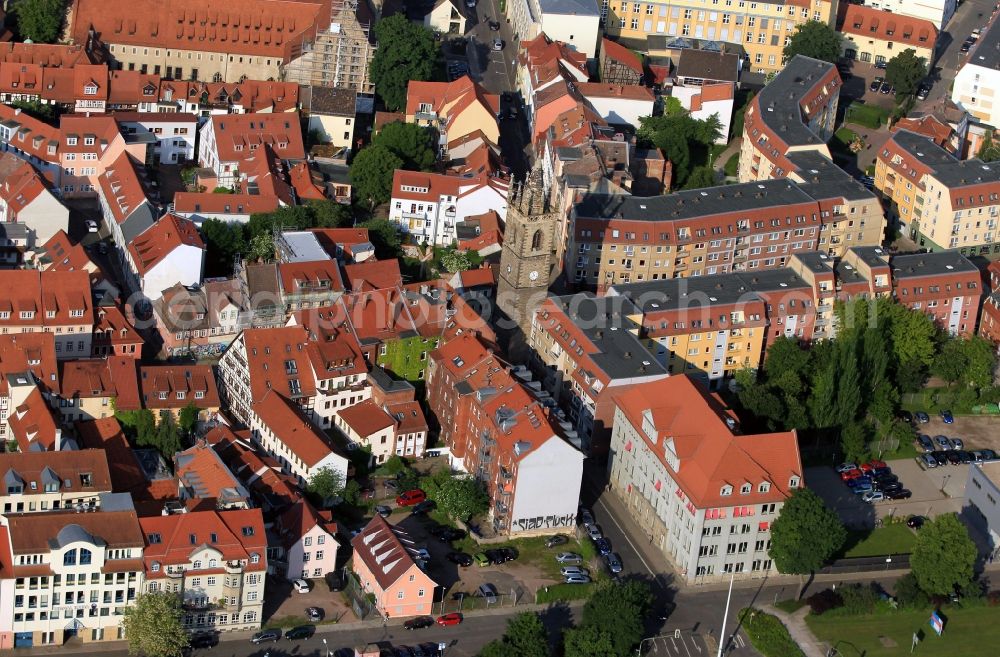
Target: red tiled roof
[283, 418]
[452, 98]
[62, 255]
[159, 240]
[35, 532]
[302, 180]
[262, 28]
[29, 352]
[21, 184]
[112, 327]
[408, 415]
[237, 136]
[379, 547]
[209, 203]
[33, 423]
[123, 187]
[106, 434]
[711, 456]
[63, 466]
[31, 135]
[621, 54]
[188, 380]
[237, 534]
[870, 23]
[373, 274]
[44, 292]
[366, 418]
[476, 277]
[624, 91]
[200, 469]
[929, 126]
[267, 351]
[299, 277]
[43, 54]
[299, 520]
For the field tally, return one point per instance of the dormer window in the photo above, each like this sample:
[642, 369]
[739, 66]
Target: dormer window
[793, 482]
[90, 90]
[726, 491]
[180, 394]
[88, 141]
[745, 489]
[254, 558]
[764, 487]
[163, 395]
[155, 566]
[198, 394]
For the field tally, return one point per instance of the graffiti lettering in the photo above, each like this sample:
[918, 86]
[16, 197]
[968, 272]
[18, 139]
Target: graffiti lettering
[545, 522]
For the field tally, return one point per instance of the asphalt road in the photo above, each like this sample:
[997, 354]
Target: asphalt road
[495, 68]
[970, 15]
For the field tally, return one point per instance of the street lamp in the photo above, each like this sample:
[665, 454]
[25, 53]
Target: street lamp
[725, 616]
[326, 648]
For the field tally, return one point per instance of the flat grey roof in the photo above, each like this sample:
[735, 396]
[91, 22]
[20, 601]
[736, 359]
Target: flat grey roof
[621, 355]
[303, 246]
[959, 173]
[822, 179]
[986, 52]
[922, 148]
[693, 203]
[779, 99]
[873, 256]
[570, 7]
[818, 263]
[708, 65]
[930, 264]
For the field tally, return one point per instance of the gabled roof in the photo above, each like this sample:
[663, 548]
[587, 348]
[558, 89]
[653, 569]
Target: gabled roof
[61, 254]
[379, 547]
[450, 98]
[43, 532]
[238, 136]
[366, 418]
[106, 435]
[124, 188]
[373, 274]
[34, 353]
[202, 473]
[871, 23]
[290, 427]
[64, 469]
[237, 535]
[154, 245]
[21, 184]
[66, 294]
[33, 424]
[277, 356]
[181, 384]
[621, 54]
[31, 135]
[300, 519]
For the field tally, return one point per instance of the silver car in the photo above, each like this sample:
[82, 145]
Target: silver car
[594, 532]
[569, 557]
[570, 571]
[577, 579]
[614, 563]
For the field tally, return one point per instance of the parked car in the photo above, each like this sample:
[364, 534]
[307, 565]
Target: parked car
[929, 460]
[411, 497]
[573, 570]
[489, 592]
[862, 489]
[860, 481]
[420, 553]
[586, 517]
[481, 559]
[885, 89]
[594, 532]
[967, 44]
[418, 623]
[300, 632]
[459, 558]
[964, 456]
[553, 541]
[947, 417]
[942, 442]
[569, 557]
[874, 464]
[953, 457]
[603, 545]
[497, 44]
[923, 91]
[614, 563]
[899, 494]
[915, 522]
[885, 481]
[400, 651]
[507, 554]
[846, 467]
[876, 84]
[383, 510]
[957, 443]
[988, 454]
[314, 614]
[91, 226]
[941, 456]
[301, 585]
[926, 443]
[872, 497]
[204, 640]
[495, 25]
[851, 474]
[450, 534]
[334, 582]
[267, 636]
[448, 620]
[391, 484]
[881, 64]
[576, 579]
[922, 417]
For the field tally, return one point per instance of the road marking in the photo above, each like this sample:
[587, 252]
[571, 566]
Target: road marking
[627, 539]
[685, 644]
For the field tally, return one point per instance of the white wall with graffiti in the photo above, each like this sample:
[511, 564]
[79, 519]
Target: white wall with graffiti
[547, 494]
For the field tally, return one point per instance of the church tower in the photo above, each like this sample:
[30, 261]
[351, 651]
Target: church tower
[528, 260]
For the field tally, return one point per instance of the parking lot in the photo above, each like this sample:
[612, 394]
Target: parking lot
[977, 431]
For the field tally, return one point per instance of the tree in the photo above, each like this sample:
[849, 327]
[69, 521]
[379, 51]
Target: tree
[189, 418]
[853, 442]
[701, 177]
[619, 609]
[462, 498]
[912, 334]
[455, 261]
[371, 173]
[40, 20]
[989, 151]
[848, 385]
[222, 190]
[261, 247]
[805, 535]
[168, 439]
[152, 625]
[821, 402]
[326, 483]
[406, 51]
[980, 361]
[682, 138]
[411, 143]
[524, 637]
[944, 556]
[588, 641]
[950, 362]
[905, 71]
[384, 236]
[224, 240]
[331, 214]
[814, 39]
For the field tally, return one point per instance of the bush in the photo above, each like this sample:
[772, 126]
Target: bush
[824, 601]
[768, 635]
[558, 592]
[909, 593]
[858, 599]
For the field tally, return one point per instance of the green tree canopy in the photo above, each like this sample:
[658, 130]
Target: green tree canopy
[701, 177]
[40, 20]
[406, 51]
[462, 497]
[619, 609]
[326, 483]
[331, 214]
[261, 247]
[944, 556]
[371, 173]
[675, 134]
[224, 240]
[806, 534]
[524, 637]
[588, 641]
[384, 236]
[411, 143]
[905, 71]
[854, 442]
[456, 261]
[989, 151]
[189, 417]
[814, 39]
[152, 625]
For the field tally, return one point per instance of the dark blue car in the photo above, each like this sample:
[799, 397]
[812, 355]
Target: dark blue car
[947, 417]
[603, 545]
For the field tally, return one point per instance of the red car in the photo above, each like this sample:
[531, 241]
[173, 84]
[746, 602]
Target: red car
[847, 475]
[411, 497]
[872, 465]
[450, 619]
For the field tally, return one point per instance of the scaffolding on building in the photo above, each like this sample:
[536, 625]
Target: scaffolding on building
[341, 54]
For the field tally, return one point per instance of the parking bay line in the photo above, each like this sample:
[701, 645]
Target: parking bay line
[627, 539]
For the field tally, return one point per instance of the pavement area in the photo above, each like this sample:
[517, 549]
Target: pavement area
[293, 604]
[976, 431]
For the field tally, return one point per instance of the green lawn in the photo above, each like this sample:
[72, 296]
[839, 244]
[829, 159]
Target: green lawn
[890, 539]
[533, 550]
[732, 166]
[870, 116]
[967, 633]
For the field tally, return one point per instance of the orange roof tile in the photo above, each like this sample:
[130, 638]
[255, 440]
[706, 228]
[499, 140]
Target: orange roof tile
[383, 553]
[61, 254]
[237, 136]
[160, 240]
[870, 23]
[621, 54]
[29, 352]
[106, 434]
[237, 534]
[292, 428]
[35, 468]
[366, 418]
[373, 274]
[63, 294]
[33, 424]
[201, 471]
[177, 386]
[624, 91]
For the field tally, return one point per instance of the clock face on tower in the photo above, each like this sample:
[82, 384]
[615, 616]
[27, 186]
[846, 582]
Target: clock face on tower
[533, 275]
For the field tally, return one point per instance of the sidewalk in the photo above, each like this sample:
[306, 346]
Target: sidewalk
[799, 631]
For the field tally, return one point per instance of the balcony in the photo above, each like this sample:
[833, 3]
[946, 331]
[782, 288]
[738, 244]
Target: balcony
[234, 568]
